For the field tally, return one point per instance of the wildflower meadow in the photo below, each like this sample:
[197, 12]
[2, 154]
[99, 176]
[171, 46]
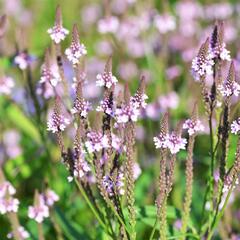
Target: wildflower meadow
[119, 120]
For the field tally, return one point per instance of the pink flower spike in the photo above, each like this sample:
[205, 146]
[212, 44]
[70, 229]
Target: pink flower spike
[175, 143]
[235, 127]
[193, 126]
[9, 205]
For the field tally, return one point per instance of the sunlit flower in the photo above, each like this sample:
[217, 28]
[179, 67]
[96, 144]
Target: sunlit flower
[39, 211]
[161, 140]
[6, 85]
[193, 126]
[8, 204]
[81, 106]
[57, 33]
[106, 80]
[96, 141]
[50, 197]
[175, 143]
[22, 232]
[57, 123]
[235, 126]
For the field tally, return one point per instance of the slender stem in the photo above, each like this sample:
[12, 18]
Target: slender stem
[15, 225]
[154, 229]
[40, 232]
[91, 206]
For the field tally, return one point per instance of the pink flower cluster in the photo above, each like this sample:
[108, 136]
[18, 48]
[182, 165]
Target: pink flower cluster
[172, 141]
[235, 126]
[57, 123]
[75, 52]
[6, 85]
[193, 126]
[40, 210]
[81, 107]
[57, 33]
[22, 232]
[106, 80]
[7, 202]
[96, 141]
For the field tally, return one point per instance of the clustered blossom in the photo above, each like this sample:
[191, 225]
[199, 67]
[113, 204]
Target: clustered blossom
[57, 33]
[127, 112]
[75, 52]
[50, 75]
[57, 123]
[105, 106]
[203, 64]
[7, 202]
[6, 84]
[22, 60]
[221, 52]
[114, 187]
[230, 88]
[39, 211]
[22, 232]
[235, 126]
[139, 100]
[96, 141]
[161, 140]
[81, 168]
[173, 142]
[81, 106]
[193, 126]
[106, 80]
[50, 197]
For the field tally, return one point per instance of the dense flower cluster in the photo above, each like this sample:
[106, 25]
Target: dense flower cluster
[7, 202]
[235, 126]
[193, 126]
[81, 107]
[57, 33]
[75, 51]
[57, 123]
[106, 107]
[106, 80]
[96, 142]
[50, 75]
[112, 186]
[171, 141]
[230, 88]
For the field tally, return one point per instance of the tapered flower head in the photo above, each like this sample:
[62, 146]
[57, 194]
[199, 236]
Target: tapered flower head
[76, 49]
[8, 204]
[57, 122]
[81, 107]
[230, 86]
[57, 32]
[175, 143]
[217, 46]
[107, 79]
[203, 64]
[40, 210]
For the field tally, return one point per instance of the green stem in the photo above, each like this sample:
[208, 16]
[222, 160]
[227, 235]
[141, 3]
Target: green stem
[154, 229]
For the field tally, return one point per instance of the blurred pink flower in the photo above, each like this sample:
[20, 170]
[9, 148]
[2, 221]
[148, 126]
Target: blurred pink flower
[6, 85]
[109, 24]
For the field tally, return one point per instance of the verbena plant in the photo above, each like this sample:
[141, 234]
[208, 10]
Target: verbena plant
[100, 154]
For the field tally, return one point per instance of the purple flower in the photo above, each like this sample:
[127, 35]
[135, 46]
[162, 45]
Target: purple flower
[175, 143]
[106, 106]
[112, 186]
[106, 80]
[50, 197]
[81, 106]
[6, 188]
[230, 88]
[6, 84]
[203, 64]
[193, 126]
[160, 141]
[57, 123]
[96, 142]
[235, 126]
[22, 60]
[57, 33]
[126, 113]
[8, 204]
[50, 75]
[22, 232]
[39, 211]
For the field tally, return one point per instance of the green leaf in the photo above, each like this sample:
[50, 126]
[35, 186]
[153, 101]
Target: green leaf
[70, 229]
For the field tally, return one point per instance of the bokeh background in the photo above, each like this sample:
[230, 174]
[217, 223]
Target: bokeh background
[157, 39]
